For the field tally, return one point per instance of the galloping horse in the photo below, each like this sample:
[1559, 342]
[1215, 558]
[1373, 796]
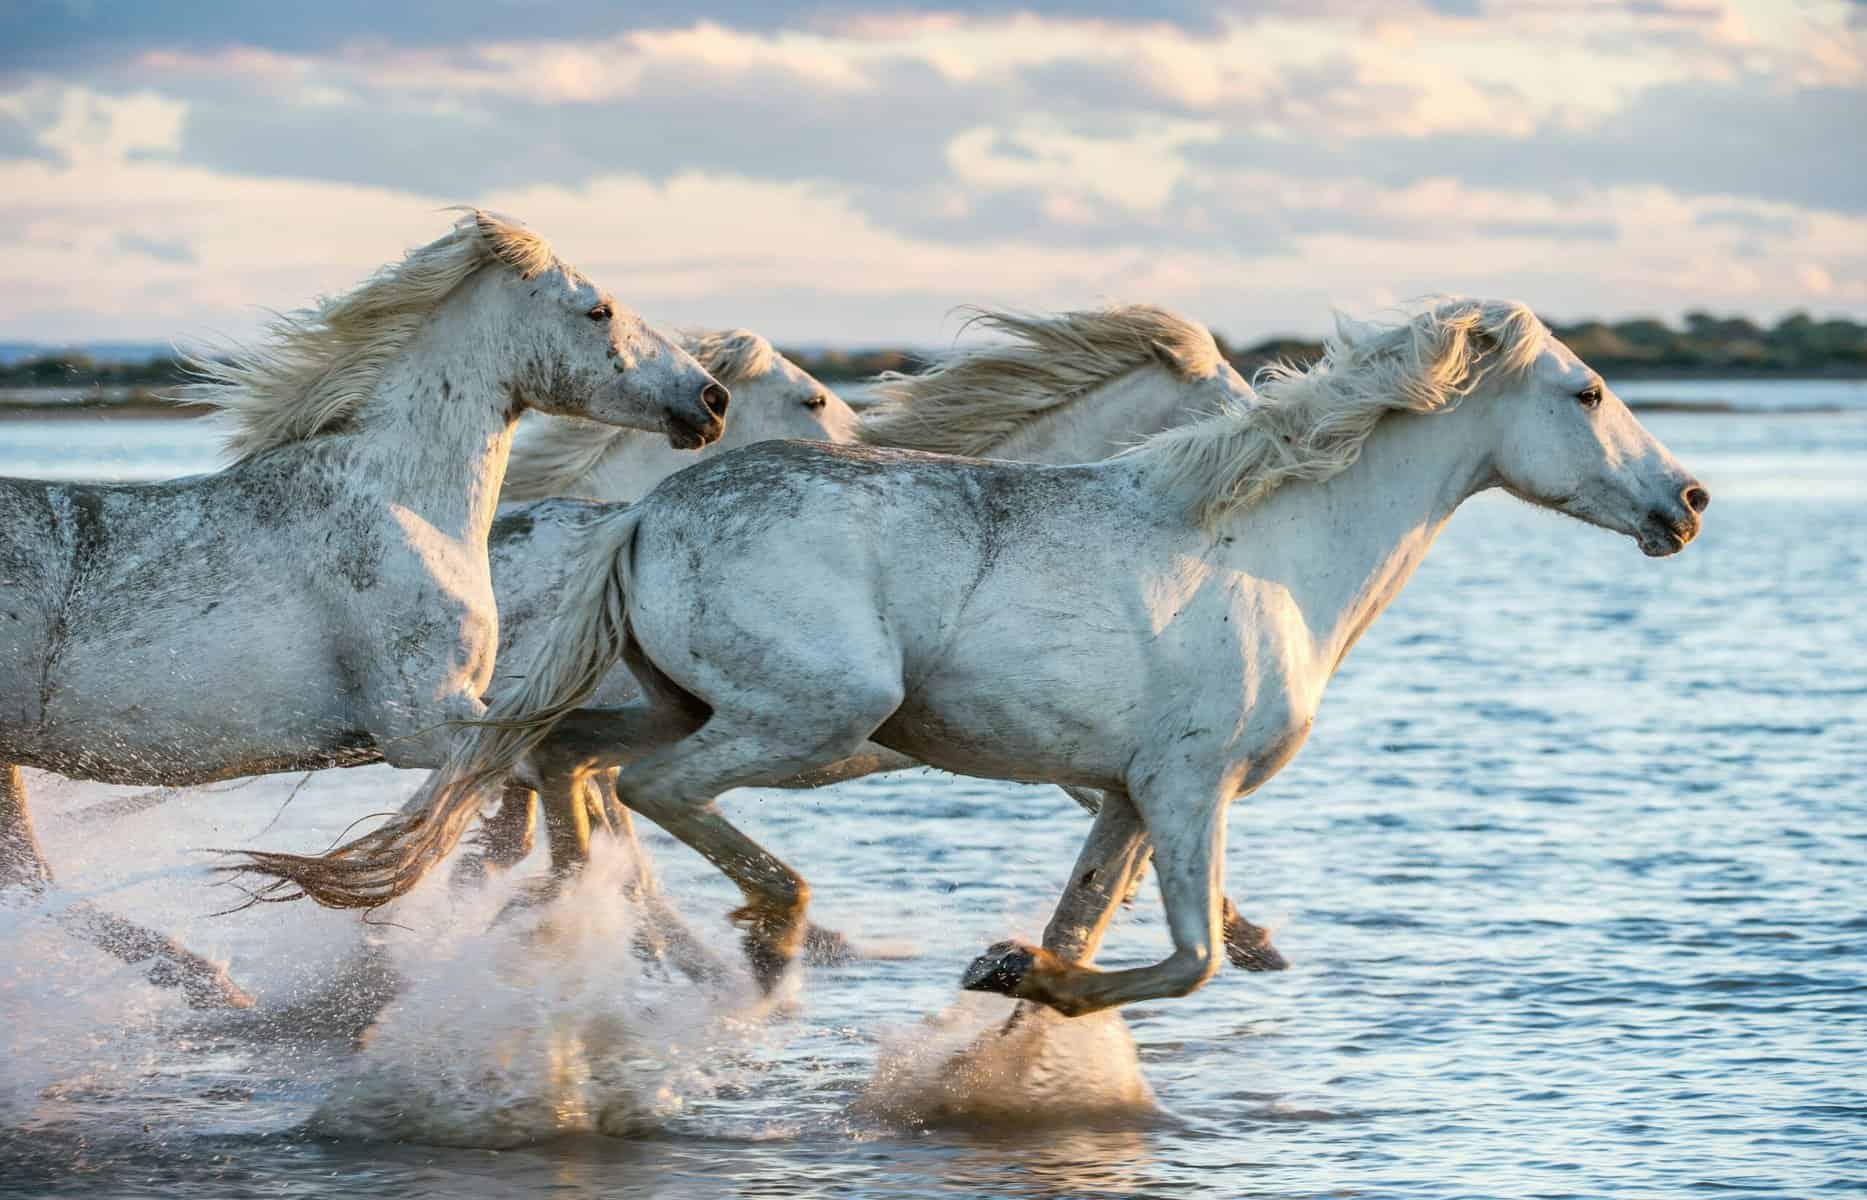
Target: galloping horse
[327, 598]
[1072, 387]
[1161, 625]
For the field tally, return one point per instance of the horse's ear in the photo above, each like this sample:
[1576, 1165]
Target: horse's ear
[1352, 331]
[512, 244]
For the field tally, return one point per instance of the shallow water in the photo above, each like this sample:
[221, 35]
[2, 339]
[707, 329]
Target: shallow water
[1570, 876]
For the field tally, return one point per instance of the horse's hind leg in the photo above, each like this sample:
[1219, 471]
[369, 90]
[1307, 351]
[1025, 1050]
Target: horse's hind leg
[663, 932]
[23, 865]
[505, 839]
[767, 736]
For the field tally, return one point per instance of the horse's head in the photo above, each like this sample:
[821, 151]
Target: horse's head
[1566, 441]
[582, 354]
[785, 401]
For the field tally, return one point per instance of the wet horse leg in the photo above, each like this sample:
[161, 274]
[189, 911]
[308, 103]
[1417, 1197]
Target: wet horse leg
[1247, 946]
[1111, 860]
[663, 930]
[506, 838]
[766, 736]
[23, 866]
[1189, 832]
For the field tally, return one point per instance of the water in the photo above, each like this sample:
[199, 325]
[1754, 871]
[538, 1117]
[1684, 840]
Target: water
[1570, 875]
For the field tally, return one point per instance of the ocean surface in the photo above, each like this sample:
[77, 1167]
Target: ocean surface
[1572, 876]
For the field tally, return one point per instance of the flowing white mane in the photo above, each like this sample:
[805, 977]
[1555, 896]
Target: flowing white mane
[1311, 422]
[553, 456]
[315, 366]
[977, 399]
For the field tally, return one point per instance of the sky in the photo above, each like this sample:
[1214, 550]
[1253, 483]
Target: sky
[847, 172]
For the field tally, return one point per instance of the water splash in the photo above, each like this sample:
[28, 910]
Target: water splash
[971, 1064]
[70, 1017]
[547, 1024]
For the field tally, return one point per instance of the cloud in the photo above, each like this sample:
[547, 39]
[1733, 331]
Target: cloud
[168, 250]
[850, 173]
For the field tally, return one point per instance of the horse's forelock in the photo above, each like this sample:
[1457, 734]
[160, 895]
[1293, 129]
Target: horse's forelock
[731, 355]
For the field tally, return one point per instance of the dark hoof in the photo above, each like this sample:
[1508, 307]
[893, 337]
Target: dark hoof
[827, 948]
[1000, 969]
[1249, 947]
[771, 942]
[767, 962]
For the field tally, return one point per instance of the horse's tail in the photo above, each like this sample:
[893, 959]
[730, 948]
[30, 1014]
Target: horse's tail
[586, 639]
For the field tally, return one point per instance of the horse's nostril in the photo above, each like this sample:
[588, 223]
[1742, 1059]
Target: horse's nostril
[1696, 498]
[714, 399]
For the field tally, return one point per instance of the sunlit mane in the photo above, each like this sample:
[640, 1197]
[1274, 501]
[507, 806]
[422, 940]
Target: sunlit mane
[315, 366]
[1311, 422]
[976, 400]
[554, 456]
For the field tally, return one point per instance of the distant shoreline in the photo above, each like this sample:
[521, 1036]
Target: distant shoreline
[15, 406]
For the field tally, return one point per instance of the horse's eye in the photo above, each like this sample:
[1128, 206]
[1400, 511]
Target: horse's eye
[816, 402]
[1590, 396]
[601, 312]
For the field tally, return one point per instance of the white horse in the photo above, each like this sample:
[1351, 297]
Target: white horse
[327, 598]
[566, 473]
[1161, 625]
[1072, 387]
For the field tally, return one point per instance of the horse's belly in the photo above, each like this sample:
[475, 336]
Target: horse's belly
[995, 736]
[212, 703]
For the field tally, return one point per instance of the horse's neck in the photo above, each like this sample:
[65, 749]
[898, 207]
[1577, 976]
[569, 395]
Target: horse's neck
[1346, 546]
[438, 431]
[1116, 415]
[632, 465]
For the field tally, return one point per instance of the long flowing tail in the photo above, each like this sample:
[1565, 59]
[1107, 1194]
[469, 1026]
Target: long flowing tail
[586, 640]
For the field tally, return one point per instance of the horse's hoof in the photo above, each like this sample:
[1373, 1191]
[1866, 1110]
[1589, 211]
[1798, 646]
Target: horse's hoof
[1000, 969]
[1249, 948]
[768, 963]
[771, 941]
[827, 948]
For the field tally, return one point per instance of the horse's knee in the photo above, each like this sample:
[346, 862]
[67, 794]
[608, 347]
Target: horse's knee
[1189, 969]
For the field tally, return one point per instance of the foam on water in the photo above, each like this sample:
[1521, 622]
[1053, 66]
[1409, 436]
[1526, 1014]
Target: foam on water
[511, 1031]
[970, 1065]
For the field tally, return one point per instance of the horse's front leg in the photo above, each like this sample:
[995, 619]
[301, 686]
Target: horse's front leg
[1113, 856]
[1189, 839]
[1247, 946]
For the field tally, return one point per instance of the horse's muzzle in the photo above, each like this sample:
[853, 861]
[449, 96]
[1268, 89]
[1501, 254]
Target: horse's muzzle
[1670, 529]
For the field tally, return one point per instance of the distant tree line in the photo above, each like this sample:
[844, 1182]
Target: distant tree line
[1707, 344]
[74, 369]
[1797, 344]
